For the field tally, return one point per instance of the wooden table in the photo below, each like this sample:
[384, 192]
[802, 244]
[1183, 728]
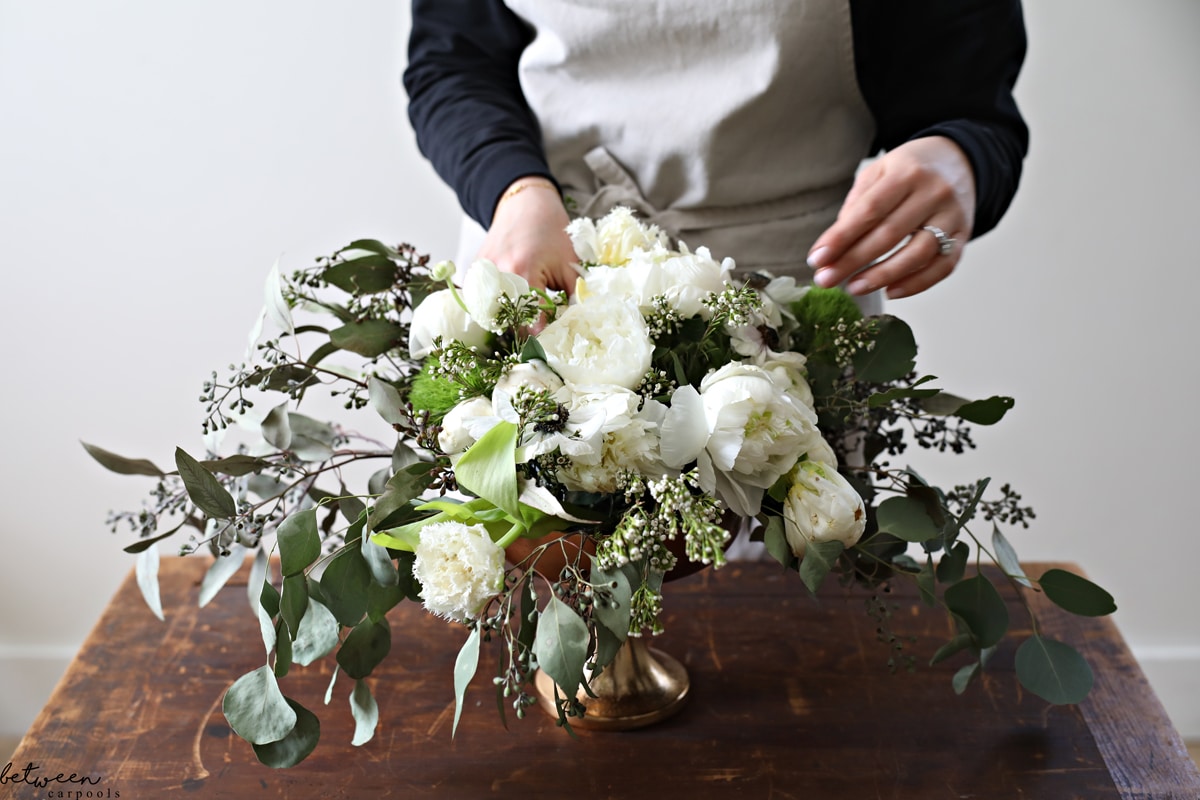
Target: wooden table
[791, 699]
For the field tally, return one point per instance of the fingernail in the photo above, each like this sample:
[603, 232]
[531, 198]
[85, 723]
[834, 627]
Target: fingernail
[817, 257]
[859, 286]
[824, 278]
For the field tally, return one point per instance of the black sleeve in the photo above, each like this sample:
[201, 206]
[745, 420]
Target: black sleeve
[465, 101]
[947, 68]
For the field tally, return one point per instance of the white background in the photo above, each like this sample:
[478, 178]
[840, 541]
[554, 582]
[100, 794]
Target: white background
[156, 158]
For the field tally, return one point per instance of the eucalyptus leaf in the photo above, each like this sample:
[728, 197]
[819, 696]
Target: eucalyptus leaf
[142, 544]
[1054, 671]
[382, 599]
[775, 540]
[893, 355]
[977, 603]
[1006, 557]
[365, 275]
[352, 509]
[235, 465]
[365, 711]
[532, 351]
[561, 645]
[607, 646]
[963, 677]
[122, 465]
[259, 574]
[296, 746]
[529, 615]
[611, 599]
[299, 542]
[956, 645]
[399, 491]
[369, 338]
[283, 650]
[1076, 594]
[386, 401]
[203, 489]
[256, 709]
[293, 602]
[312, 440]
[147, 579]
[464, 670]
[276, 428]
[371, 246]
[985, 412]
[366, 646]
[317, 636]
[380, 563]
[266, 624]
[819, 558]
[276, 307]
[222, 569]
[926, 583]
[953, 564]
[345, 584]
[901, 392]
[332, 682]
[906, 518]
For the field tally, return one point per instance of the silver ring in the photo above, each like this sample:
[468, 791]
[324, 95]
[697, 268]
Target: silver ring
[945, 243]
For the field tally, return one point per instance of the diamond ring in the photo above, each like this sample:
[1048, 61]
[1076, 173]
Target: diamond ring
[945, 243]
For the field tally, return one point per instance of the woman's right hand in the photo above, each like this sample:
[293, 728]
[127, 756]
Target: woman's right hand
[528, 236]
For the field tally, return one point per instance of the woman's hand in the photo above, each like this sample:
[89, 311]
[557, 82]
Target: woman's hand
[528, 235]
[927, 181]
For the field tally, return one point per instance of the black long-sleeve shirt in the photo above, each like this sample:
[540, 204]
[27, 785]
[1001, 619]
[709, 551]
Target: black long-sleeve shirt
[935, 68]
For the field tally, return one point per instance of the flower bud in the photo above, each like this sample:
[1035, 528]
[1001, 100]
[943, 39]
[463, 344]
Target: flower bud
[821, 506]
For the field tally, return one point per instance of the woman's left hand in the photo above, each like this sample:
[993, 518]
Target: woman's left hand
[924, 182]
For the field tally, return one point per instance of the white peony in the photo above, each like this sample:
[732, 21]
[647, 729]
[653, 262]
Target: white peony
[821, 506]
[483, 288]
[441, 315]
[458, 431]
[460, 568]
[788, 370]
[628, 439]
[684, 279]
[603, 340]
[612, 239]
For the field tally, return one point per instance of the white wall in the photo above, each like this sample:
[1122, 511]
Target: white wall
[156, 158]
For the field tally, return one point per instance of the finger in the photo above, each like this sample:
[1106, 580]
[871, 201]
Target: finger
[860, 215]
[915, 255]
[938, 270]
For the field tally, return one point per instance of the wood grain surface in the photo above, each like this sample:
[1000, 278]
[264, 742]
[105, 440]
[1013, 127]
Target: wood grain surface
[791, 699]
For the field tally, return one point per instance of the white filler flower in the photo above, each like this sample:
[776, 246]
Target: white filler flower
[459, 567]
[603, 340]
[821, 506]
[441, 315]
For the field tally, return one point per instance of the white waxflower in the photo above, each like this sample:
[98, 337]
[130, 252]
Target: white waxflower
[821, 506]
[603, 340]
[612, 239]
[441, 315]
[460, 426]
[483, 288]
[460, 568]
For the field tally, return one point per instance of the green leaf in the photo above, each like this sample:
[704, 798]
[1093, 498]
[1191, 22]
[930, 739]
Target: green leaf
[488, 468]
[366, 646]
[399, 491]
[283, 650]
[222, 569]
[926, 582]
[299, 542]
[611, 599]
[142, 544]
[775, 540]
[893, 355]
[365, 711]
[1006, 557]
[981, 608]
[312, 440]
[985, 412]
[204, 490]
[256, 709]
[147, 579]
[1076, 594]
[819, 558]
[122, 465]
[276, 307]
[529, 615]
[1054, 671]
[236, 465]
[608, 644]
[370, 245]
[321, 353]
[365, 275]
[382, 599]
[317, 635]
[532, 351]
[907, 518]
[464, 670]
[379, 563]
[345, 584]
[386, 401]
[953, 564]
[561, 645]
[276, 429]
[293, 748]
[963, 677]
[369, 338]
[956, 645]
[899, 392]
[293, 602]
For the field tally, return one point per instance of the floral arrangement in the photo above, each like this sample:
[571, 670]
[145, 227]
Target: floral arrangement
[556, 458]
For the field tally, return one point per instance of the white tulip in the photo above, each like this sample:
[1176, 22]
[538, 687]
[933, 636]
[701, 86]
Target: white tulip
[457, 432]
[821, 506]
[483, 288]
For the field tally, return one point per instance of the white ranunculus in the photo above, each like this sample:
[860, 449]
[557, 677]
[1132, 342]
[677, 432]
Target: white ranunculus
[612, 239]
[628, 439]
[457, 432]
[821, 506]
[603, 340]
[441, 315]
[533, 374]
[484, 286]
[460, 568]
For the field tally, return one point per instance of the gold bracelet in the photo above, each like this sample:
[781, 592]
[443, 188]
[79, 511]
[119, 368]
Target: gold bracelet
[516, 189]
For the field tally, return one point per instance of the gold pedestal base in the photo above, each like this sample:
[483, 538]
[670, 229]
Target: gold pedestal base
[639, 688]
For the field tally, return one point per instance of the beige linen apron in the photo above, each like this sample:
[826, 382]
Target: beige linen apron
[733, 124]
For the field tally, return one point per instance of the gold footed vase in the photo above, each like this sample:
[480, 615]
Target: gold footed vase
[640, 687]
